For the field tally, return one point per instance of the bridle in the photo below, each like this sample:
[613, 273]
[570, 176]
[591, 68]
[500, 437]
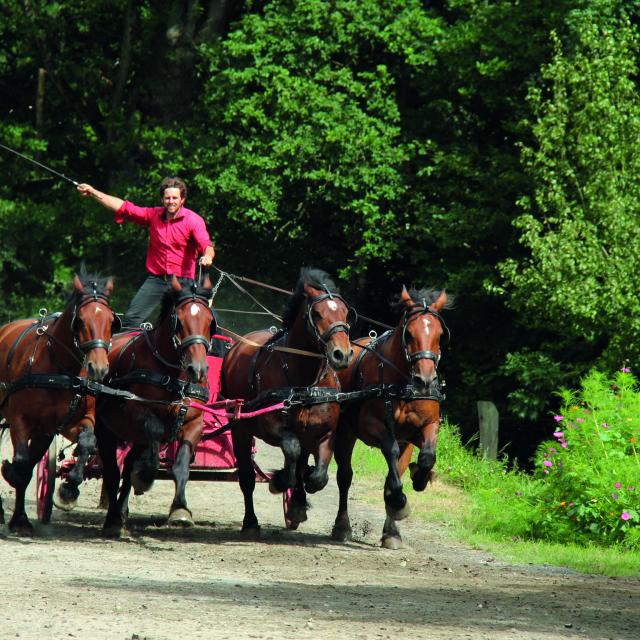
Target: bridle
[180, 345]
[409, 314]
[334, 327]
[96, 343]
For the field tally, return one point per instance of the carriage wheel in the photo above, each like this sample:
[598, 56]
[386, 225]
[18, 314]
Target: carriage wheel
[46, 482]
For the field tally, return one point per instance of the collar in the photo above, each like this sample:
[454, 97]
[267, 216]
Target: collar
[181, 214]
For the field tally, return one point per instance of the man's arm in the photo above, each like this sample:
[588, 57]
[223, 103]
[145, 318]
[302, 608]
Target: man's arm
[207, 258]
[110, 202]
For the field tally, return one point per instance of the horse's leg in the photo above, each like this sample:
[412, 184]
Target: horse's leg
[242, 444]
[68, 492]
[179, 514]
[286, 478]
[345, 441]
[131, 461]
[144, 471]
[396, 504]
[317, 478]
[296, 511]
[107, 446]
[18, 475]
[421, 472]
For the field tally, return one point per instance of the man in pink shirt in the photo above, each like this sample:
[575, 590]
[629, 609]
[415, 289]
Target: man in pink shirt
[177, 236]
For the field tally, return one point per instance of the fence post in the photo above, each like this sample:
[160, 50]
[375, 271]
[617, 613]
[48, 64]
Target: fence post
[489, 422]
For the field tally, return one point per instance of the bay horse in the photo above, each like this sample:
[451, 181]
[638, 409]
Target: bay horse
[46, 367]
[165, 367]
[301, 358]
[399, 369]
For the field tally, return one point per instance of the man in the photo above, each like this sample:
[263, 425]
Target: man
[176, 236]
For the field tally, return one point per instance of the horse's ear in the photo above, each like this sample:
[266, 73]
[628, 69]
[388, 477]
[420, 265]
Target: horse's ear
[438, 305]
[404, 295]
[108, 288]
[77, 284]
[175, 285]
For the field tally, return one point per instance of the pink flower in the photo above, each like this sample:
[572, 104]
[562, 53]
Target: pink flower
[618, 485]
[605, 425]
[625, 370]
[548, 463]
[579, 419]
[563, 444]
[558, 418]
[625, 515]
[558, 434]
[546, 470]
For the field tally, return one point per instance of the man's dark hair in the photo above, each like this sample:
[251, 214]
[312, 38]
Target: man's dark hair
[173, 183]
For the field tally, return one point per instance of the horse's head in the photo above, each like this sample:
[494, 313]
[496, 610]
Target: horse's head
[326, 316]
[192, 324]
[93, 322]
[421, 327]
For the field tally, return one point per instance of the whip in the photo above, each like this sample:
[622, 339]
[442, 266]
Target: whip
[56, 173]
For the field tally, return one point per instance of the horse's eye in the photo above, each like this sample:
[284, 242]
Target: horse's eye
[315, 316]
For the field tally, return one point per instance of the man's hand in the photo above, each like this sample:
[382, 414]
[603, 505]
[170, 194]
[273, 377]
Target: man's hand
[85, 190]
[207, 259]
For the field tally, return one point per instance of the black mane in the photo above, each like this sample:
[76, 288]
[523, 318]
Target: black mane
[315, 278]
[90, 282]
[172, 298]
[425, 296]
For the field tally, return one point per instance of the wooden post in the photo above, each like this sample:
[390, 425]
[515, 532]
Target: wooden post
[489, 422]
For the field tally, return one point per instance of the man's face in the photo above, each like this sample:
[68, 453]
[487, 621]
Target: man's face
[172, 201]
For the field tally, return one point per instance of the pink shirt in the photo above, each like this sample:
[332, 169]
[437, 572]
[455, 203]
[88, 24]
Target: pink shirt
[174, 244]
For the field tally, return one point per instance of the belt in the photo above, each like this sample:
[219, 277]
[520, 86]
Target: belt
[166, 277]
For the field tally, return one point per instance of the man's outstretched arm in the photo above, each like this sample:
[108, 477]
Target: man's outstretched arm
[110, 202]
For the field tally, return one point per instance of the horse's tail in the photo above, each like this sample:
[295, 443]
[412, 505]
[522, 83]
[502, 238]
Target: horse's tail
[144, 470]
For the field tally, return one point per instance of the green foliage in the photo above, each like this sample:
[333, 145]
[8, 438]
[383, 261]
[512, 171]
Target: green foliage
[590, 475]
[580, 225]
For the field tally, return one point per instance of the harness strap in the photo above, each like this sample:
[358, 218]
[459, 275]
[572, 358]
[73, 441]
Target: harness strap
[182, 388]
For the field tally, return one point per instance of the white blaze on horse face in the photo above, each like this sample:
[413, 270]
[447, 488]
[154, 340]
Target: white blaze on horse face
[195, 309]
[426, 322]
[98, 310]
[332, 305]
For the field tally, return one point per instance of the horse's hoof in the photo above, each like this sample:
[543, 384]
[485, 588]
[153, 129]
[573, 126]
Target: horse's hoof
[112, 530]
[22, 528]
[139, 485]
[391, 542]
[291, 525]
[250, 533]
[181, 517]
[62, 501]
[398, 514]
[272, 487]
[341, 534]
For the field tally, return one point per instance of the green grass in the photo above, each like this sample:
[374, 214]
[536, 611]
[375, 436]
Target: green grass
[473, 500]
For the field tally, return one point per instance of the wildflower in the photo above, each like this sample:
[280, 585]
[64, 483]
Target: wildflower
[552, 450]
[563, 444]
[614, 495]
[625, 370]
[548, 463]
[625, 515]
[631, 488]
[558, 434]
[546, 470]
[545, 454]
[605, 425]
[579, 419]
[558, 418]
[571, 504]
[633, 440]
[563, 503]
[618, 485]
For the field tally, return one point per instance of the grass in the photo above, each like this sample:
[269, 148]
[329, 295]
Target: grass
[470, 513]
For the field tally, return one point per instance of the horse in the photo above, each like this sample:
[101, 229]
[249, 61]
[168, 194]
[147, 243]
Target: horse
[162, 370]
[396, 376]
[47, 367]
[299, 361]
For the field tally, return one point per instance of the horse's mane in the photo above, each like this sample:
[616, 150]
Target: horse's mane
[427, 294]
[88, 280]
[171, 298]
[315, 278]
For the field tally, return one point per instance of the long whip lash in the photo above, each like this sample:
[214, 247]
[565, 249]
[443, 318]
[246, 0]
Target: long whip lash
[43, 166]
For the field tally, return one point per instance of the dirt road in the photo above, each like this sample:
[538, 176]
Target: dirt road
[206, 582]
